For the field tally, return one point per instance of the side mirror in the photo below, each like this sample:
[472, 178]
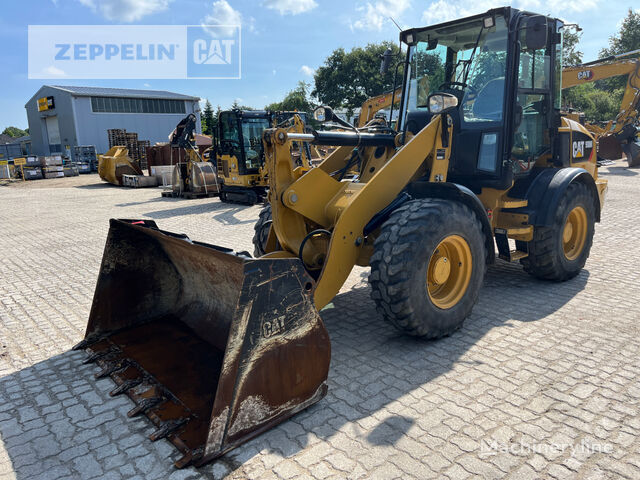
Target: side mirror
[323, 114]
[441, 102]
[386, 61]
[536, 32]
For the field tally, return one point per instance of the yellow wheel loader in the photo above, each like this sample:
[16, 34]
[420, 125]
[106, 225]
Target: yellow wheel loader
[620, 135]
[239, 154]
[215, 346]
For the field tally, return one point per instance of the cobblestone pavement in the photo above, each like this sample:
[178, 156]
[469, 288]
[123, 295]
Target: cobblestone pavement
[541, 382]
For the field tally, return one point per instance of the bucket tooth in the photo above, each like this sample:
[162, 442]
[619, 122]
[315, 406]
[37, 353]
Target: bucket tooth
[95, 356]
[189, 457]
[144, 406]
[167, 428]
[111, 367]
[125, 386]
[82, 344]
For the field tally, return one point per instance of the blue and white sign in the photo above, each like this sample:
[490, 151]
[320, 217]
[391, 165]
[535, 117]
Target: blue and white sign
[134, 51]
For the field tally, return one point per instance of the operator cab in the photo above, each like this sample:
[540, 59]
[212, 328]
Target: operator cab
[504, 68]
[240, 136]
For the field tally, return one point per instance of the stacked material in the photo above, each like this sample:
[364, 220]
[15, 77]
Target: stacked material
[85, 158]
[27, 168]
[52, 166]
[137, 148]
[70, 170]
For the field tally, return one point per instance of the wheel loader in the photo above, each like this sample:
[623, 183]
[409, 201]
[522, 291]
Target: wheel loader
[215, 346]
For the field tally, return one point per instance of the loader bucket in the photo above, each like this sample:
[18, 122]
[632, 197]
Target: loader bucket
[213, 347]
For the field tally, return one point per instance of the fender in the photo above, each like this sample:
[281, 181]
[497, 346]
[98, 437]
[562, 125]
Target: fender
[458, 193]
[546, 191]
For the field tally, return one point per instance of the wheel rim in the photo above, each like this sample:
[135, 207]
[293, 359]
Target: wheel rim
[449, 272]
[574, 234]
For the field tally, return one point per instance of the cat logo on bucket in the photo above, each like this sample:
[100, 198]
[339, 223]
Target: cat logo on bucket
[579, 148]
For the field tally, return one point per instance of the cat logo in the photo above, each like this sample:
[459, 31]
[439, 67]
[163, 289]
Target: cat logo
[585, 74]
[580, 146]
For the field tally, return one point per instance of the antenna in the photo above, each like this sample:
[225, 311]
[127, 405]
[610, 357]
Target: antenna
[395, 23]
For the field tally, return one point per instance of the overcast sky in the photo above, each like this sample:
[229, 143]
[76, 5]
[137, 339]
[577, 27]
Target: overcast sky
[283, 41]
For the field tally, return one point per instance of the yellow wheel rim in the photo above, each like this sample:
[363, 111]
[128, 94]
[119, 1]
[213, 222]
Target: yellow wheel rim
[574, 235]
[449, 271]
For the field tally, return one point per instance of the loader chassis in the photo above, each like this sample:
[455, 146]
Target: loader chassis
[424, 207]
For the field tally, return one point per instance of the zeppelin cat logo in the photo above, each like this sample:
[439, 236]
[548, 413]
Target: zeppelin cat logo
[585, 74]
[579, 148]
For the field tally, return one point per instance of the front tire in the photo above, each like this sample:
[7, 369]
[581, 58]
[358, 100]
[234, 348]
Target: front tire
[428, 266]
[261, 231]
[560, 251]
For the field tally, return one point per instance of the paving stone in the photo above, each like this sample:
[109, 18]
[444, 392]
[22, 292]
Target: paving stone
[534, 364]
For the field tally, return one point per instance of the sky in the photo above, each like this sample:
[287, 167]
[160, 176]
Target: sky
[283, 41]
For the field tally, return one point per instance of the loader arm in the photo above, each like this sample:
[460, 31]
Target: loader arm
[303, 203]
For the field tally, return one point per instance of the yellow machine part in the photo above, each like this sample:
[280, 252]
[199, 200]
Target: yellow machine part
[115, 163]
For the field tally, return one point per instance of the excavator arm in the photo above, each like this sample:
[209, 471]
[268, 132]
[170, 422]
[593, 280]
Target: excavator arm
[592, 72]
[373, 105]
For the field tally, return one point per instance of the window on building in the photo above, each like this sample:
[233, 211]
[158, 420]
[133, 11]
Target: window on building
[136, 105]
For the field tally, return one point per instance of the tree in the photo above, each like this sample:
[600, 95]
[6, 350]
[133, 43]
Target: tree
[348, 78]
[207, 119]
[570, 54]
[14, 132]
[236, 106]
[296, 99]
[627, 39]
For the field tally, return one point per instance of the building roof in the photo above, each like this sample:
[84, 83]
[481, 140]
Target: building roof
[122, 92]
[4, 138]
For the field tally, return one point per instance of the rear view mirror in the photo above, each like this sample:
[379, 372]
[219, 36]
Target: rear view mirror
[386, 61]
[536, 32]
[323, 114]
[442, 102]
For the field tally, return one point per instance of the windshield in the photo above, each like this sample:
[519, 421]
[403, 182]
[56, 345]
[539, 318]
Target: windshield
[252, 129]
[467, 59]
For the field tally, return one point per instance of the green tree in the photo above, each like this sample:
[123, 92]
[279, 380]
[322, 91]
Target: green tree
[627, 39]
[296, 99]
[207, 119]
[236, 106]
[570, 54]
[14, 132]
[348, 78]
[597, 104]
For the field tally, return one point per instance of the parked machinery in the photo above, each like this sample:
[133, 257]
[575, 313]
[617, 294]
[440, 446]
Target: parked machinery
[196, 177]
[215, 347]
[619, 135]
[239, 152]
[116, 163]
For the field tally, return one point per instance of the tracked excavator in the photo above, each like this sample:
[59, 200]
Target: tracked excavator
[214, 346]
[620, 135]
[239, 154]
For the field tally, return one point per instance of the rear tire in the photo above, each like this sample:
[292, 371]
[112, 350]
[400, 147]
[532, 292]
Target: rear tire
[428, 266]
[261, 231]
[559, 252]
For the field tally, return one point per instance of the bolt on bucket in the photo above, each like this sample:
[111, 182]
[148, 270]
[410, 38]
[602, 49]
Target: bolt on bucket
[213, 347]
